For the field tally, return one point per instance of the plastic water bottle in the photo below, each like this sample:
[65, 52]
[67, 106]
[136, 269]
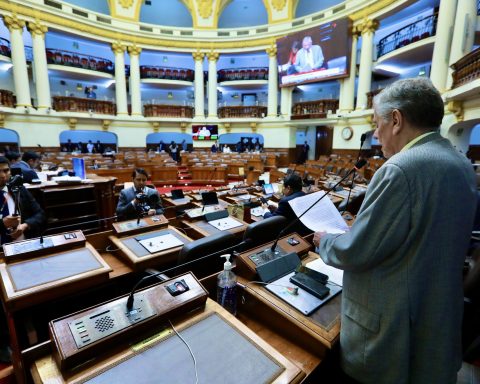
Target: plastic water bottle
[227, 287]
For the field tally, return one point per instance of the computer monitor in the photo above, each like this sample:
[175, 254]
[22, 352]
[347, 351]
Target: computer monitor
[268, 189]
[209, 198]
[177, 194]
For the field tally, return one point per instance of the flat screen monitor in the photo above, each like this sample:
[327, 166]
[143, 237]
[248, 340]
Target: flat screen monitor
[177, 194]
[78, 166]
[209, 198]
[316, 54]
[205, 132]
[268, 189]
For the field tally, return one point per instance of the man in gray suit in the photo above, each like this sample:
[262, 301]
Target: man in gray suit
[402, 299]
[139, 200]
[309, 58]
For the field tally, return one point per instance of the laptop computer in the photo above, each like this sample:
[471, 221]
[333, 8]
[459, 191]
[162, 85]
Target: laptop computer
[268, 190]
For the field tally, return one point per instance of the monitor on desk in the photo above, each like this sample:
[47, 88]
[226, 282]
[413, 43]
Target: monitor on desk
[268, 189]
[209, 198]
[177, 194]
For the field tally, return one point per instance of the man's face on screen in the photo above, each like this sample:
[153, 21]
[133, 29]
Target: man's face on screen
[307, 44]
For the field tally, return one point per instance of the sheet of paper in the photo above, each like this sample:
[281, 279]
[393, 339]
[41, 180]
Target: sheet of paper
[161, 243]
[335, 275]
[257, 211]
[225, 223]
[324, 216]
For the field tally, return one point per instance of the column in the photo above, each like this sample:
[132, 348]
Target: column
[286, 101]
[463, 34]
[42, 84]
[367, 28]
[20, 73]
[199, 94]
[443, 38]
[212, 83]
[272, 81]
[347, 85]
[120, 84]
[135, 94]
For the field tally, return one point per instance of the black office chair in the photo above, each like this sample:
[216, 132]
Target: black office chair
[202, 247]
[264, 231]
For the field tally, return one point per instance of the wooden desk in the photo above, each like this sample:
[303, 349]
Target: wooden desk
[140, 258]
[201, 228]
[45, 369]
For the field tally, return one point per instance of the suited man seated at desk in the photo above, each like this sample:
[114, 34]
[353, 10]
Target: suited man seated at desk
[292, 188]
[139, 200]
[31, 217]
[28, 164]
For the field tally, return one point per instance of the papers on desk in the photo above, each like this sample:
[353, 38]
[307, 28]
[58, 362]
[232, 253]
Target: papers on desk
[335, 275]
[161, 243]
[257, 211]
[67, 179]
[225, 224]
[322, 217]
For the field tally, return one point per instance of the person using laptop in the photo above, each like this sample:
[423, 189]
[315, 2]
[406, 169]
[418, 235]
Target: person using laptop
[139, 200]
[292, 188]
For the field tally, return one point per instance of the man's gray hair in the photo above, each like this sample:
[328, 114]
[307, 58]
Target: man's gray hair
[417, 99]
[307, 38]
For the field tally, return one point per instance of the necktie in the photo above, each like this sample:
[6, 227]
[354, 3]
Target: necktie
[5, 238]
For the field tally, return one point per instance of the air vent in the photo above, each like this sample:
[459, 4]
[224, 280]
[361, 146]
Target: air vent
[262, 30]
[53, 4]
[339, 9]
[186, 33]
[223, 33]
[240, 33]
[166, 31]
[146, 29]
[318, 17]
[79, 13]
[104, 20]
[298, 22]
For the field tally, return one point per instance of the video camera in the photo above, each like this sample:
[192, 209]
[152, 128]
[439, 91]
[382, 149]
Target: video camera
[142, 202]
[15, 181]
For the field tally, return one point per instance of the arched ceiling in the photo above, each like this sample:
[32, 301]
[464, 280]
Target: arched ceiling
[236, 13]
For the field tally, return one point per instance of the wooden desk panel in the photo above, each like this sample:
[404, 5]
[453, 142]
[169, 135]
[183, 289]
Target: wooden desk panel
[46, 370]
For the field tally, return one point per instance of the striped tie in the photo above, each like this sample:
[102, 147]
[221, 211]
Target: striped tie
[4, 237]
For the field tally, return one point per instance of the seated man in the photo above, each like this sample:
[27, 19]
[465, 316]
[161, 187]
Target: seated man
[29, 162]
[292, 188]
[31, 219]
[139, 200]
[309, 57]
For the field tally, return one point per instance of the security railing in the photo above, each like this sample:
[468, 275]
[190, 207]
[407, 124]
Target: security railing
[79, 60]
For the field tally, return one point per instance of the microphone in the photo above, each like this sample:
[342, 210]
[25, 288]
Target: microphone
[130, 299]
[212, 174]
[362, 141]
[359, 164]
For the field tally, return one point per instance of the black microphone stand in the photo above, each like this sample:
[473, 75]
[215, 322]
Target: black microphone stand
[362, 141]
[130, 299]
[358, 165]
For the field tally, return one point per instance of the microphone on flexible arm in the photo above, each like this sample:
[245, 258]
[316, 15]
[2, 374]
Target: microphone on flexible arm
[359, 164]
[130, 299]
[362, 141]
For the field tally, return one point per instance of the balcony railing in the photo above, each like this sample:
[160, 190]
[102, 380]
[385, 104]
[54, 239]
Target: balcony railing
[149, 72]
[78, 60]
[315, 109]
[239, 111]
[7, 99]
[466, 69]
[76, 104]
[236, 74]
[159, 110]
[371, 95]
[410, 34]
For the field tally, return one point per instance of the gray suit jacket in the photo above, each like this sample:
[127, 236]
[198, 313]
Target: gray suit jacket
[301, 61]
[127, 211]
[402, 297]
